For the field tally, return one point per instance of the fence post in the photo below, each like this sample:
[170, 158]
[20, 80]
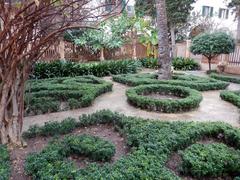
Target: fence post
[62, 50]
[188, 44]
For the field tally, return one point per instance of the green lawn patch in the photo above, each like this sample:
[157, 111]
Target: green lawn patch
[188, 98]
[194, 82]
[58, 94]
[152, 143]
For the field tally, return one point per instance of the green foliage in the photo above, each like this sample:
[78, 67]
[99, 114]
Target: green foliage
[99, 69]
[185, 64]
[149, 63]
[227, 78]
[212, 44]
[190, 98]
[55, 153]
[214, 160]
[5, 168]
[194, 82]
[231, 96]
[152, 143]
[48, 95]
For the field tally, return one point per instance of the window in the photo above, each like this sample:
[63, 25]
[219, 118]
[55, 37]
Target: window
[207, 11]
[223, 13]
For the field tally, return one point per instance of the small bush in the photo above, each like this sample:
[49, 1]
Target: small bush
[99, 69]
[190, 98]
[151, 63]
[212, 160]
[231, 96]
[185, 64]
[194, 82]
[5, 168]
[225, 78]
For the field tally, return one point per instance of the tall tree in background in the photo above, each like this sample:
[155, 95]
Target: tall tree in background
[177, 14]
[163, 41]
[235, 4]
[28, 28]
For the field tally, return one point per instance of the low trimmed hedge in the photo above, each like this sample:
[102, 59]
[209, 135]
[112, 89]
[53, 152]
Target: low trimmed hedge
[152, 143]
[185, 64]
[190, 98]
[231, 96]
[194, 82]
[5, 167]
[212, 160]
[94, 148]
[225, 78]
[70, 69]
[58, 94]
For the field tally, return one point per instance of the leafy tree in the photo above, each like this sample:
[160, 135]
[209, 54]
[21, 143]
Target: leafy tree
[109, 35]
[177, 14]
[211, 45]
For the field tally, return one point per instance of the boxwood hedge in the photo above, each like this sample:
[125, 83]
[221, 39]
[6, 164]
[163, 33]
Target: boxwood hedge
[194, 82]
[152, 144]
[231, 96]
[213, 160]
[57, 94]
[5, 167]
[226, 78]
[189, 98]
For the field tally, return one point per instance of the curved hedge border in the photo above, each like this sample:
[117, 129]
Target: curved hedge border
[56, 151]
[5, 167]
[225, 78]
[194, 82]
[190, 98]
[152, 143]
[217, 159]
[231, 96]
[44, 96]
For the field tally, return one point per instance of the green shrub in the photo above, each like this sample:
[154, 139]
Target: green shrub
[214, 160]
[5, 168]
[225, 78]
[190, 98]
[58, 94]
[151, 63]
[194, 82]
[152, 143]
[231, 96]
[185, 64]
[99, 69]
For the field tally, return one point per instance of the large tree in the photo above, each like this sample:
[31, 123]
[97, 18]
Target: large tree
[163, 42]
[28, 28]
[177, 14]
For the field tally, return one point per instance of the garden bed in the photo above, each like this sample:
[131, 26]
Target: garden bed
[194, 82]
[60, 94]
[151, 144]
[232, 97]
[227, 78]
[187, 98]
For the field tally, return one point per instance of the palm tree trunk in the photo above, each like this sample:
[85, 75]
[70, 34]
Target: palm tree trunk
[163, 41]
[173, 40]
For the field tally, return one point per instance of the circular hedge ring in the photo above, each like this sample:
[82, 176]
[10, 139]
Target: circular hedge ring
[189, 98]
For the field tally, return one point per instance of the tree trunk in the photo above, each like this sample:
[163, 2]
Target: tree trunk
[238, 26]
[12, 108]
[163, 41]
[173, 40]
[209, 64]
[102, 58]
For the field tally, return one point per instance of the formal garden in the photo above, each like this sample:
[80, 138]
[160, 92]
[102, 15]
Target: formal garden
[157, 117]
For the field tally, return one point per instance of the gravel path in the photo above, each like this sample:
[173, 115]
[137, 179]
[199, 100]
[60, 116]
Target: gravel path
[212, 108]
